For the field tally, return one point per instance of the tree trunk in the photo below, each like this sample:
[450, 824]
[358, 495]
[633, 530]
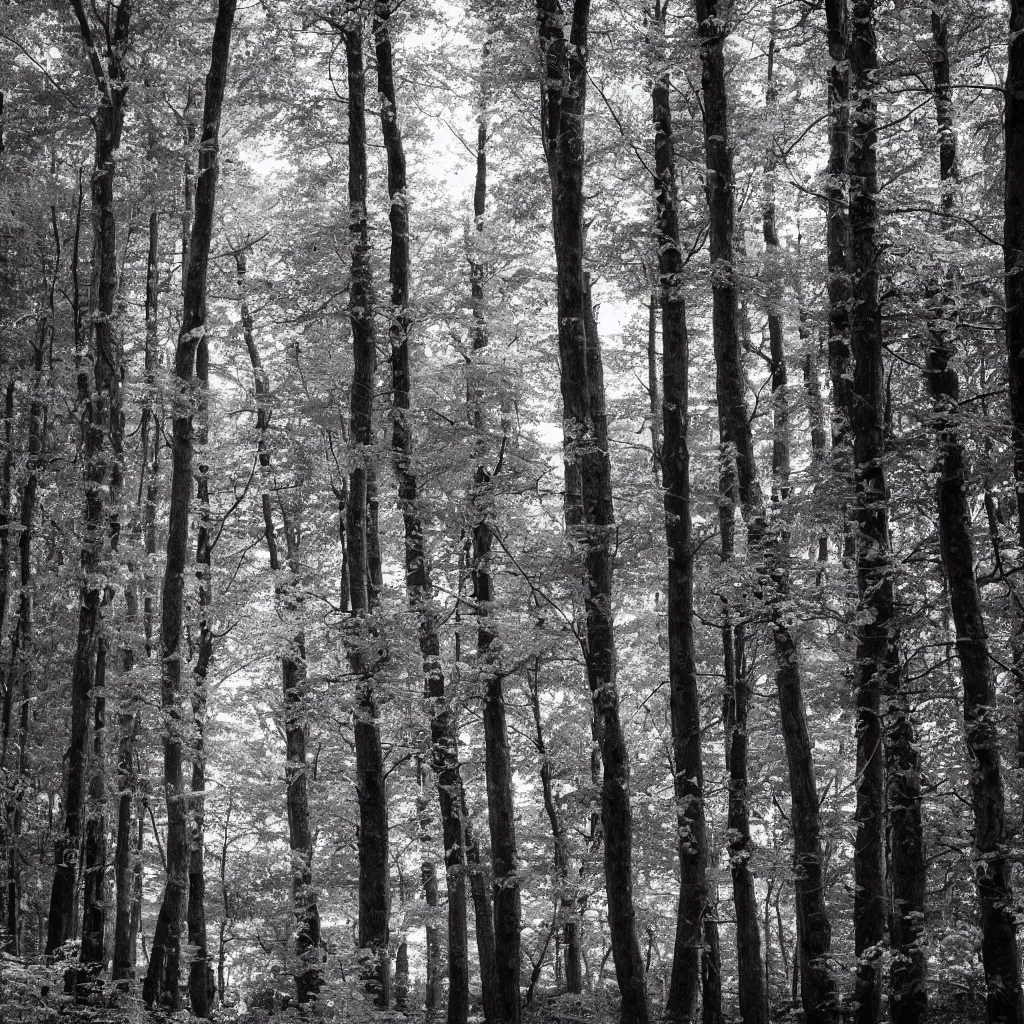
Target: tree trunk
[200, 979]
[767, 553]
[498, 761]
[877, 658]
[128, 718]
[161, 985]
[684, 697]
[305, 906]
[587, 462]
[1013, 240]
[999, 947]
[21, 677]
[99, 391]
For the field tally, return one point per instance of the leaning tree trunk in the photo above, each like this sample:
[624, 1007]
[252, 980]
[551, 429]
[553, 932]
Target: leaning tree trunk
[589, 515]
[161, 983]
[877, 658]
[99, 390]
[305, 906]
[694, 907]
[444, 733]
[498, 760]
[818, 984]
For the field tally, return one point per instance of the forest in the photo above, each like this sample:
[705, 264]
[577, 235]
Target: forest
[512, 511]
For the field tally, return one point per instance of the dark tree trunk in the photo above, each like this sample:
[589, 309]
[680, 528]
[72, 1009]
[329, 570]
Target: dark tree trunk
[1013, 240]
[200, 979]
[684, 697]
[999, 947]
[590, 517]
[444, 735]
[99, 391]
[483, 917]
[161, 985]
[20, 676]
[768, 553]
[877, 659]
[498, 761]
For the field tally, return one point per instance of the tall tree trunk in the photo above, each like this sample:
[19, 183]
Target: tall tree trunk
[590, 518]
[374, 885]
[877, 658]
[1013, 240]
[684, 697]
[99, 390]
[838, 224]
[444, 734]
[305, 906]
[768, 553]
[128, 719]
[999, 946]
[161, 984]
[498, 761]
[200, 978]
[20, 677]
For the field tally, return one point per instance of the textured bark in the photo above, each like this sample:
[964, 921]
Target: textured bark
[161, 984]
[99, 388]
[587, 463]
[684, 697]
[1013, 240]
[876, 667]
[498, 761]
[768, 553]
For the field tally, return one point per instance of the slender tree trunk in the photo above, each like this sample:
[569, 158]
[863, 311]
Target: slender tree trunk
[305, 906]
[767, 552]
[877, 658]
[128, 718]
[684, 697]
[590, 521]
[498, 761]
[161, 984]
[21, 677]
[200, 980]
[838, 224]
[99, 388]
[1013, 240]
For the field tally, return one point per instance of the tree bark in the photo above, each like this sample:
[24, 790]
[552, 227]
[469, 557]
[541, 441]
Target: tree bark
[768, 553]
[498, 760]
[99, 390]
[684, 697]
[1013, 240]
[161, 984]
[876, 667]
[590, 520]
